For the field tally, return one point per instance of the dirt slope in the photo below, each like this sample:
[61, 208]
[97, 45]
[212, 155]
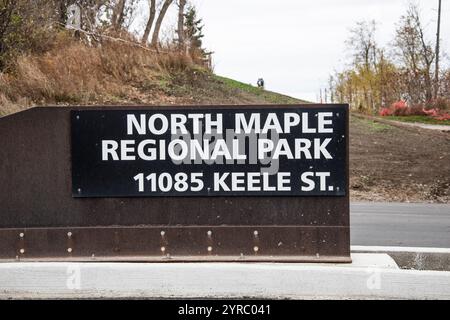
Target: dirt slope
[390, 163]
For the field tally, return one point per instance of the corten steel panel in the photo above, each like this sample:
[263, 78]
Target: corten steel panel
[36, 201]
[168, 243]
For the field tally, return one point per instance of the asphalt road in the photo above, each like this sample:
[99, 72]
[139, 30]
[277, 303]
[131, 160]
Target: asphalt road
[400, 224]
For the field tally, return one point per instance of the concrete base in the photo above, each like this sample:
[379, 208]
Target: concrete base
[412, 258]
[370, 276]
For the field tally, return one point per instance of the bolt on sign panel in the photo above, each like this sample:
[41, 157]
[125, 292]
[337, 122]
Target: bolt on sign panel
[207, 183]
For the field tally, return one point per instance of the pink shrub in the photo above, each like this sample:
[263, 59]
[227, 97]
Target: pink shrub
[400, 108]
[399, 105]
[417, 110]
[443, 117]
[385, 112]
[431, 112]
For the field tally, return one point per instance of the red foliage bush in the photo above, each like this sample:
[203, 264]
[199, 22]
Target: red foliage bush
[431, 112]
[400, 108]
[399, 105]
[385, 112]
[417, 110]
[443, 117]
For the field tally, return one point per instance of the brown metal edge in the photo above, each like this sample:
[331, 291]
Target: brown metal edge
[189, 244]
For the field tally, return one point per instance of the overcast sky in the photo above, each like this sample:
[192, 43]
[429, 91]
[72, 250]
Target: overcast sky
[296, 44]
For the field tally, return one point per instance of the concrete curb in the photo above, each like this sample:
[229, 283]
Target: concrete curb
[370, 276]
[413, 258]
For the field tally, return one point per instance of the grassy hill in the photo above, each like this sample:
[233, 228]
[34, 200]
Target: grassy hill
[116, 73]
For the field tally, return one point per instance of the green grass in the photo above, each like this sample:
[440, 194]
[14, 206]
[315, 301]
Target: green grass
[373, 126]
[270, 97]
[420, 119]
[378, 126]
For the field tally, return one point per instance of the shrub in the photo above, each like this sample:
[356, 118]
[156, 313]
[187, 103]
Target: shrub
[74, 71]
[400, 108]
[417, 110]
[431, 112]
[443, 117]
[439, 103]
[384, 112]
[25, 27]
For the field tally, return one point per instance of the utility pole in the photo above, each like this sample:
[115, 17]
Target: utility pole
[438, 35]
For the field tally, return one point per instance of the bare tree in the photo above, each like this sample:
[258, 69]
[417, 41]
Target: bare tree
[159, 21]
[416, 54]
[151, 18]
[427, 54]
[362, 42]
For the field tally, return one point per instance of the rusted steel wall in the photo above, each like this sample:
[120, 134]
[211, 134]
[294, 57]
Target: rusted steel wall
[40, 220]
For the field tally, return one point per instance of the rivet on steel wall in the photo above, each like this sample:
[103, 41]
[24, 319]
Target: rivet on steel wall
[21, 244]
[209, 241]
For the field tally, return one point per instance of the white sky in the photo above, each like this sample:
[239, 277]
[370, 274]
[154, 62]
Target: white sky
[296, 44]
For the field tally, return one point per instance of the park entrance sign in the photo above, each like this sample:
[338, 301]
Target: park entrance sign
[216, 152]
[219, 183]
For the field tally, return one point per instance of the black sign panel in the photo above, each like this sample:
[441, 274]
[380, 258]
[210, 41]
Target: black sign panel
[241, 151]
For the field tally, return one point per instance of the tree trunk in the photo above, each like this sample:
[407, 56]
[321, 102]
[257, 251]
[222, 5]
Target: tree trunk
[159, 21]
[438, 36]
[180, 31]
[118, 14]
[428, 85]
[151, 18]
[63, 12]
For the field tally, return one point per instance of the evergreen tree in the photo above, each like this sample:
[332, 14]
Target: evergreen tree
[193, 30]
